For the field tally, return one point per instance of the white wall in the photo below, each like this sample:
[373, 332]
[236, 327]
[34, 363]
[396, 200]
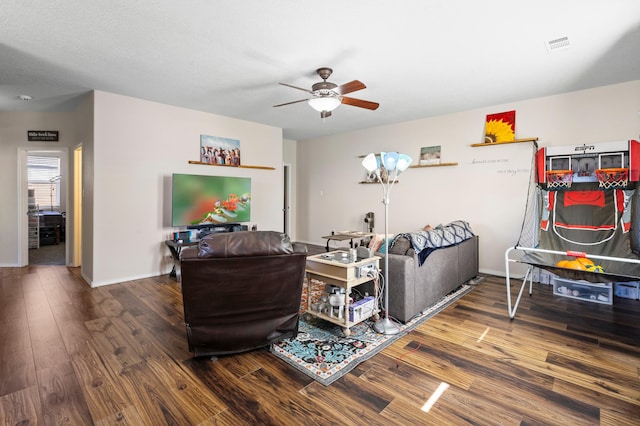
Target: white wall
[84, 117]
[137, 146]
[487, 188]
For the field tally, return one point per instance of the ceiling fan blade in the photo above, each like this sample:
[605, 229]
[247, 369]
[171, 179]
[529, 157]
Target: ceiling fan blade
[296, 87]
[360, 103]
[289, 103]
[352, 86]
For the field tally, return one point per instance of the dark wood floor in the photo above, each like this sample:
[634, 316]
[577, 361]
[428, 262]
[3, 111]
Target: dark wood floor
[117, 354]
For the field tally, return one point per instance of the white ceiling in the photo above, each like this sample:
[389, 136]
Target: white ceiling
[418, 58]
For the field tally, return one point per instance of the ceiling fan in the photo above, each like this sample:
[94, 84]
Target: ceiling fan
[327, 96]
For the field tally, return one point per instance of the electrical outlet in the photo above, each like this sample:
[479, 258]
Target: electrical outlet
[367, 270]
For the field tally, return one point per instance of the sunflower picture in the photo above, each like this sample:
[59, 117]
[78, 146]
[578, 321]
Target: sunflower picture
[500, 127]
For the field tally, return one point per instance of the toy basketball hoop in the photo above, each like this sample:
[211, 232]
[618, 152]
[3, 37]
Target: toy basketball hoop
[559, 179]
[613, 178]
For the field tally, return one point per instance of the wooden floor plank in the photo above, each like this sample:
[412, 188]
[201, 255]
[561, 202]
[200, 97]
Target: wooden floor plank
[62, 398]
[168, 306]
[354, 401]
[17, 364]
[47, 345]
[612, 408]
[283, 399]
[170, 332]
[113, 345]
[22, 407]
[540, 404]
[413, 388]
[103, 392]
[240, 398]
[167, 394]
[622, 388]
[414, 354]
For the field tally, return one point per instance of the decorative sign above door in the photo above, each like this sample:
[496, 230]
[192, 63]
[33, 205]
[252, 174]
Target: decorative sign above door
[43, 135]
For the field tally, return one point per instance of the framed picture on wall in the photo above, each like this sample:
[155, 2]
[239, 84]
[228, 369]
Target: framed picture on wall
[220, 151]
[500, 127]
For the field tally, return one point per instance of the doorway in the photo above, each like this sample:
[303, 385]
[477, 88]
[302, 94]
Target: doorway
[43, 196]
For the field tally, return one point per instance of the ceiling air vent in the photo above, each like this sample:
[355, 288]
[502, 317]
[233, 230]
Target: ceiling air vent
[561, 43]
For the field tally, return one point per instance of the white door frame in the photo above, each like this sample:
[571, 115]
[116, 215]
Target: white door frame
[23, 198]
[286, 209]
[76, 258]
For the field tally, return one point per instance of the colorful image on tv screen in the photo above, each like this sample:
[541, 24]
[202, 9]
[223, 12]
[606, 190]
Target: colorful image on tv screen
[208, 200]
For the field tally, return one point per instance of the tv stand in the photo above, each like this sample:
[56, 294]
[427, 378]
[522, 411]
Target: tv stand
[218, 227]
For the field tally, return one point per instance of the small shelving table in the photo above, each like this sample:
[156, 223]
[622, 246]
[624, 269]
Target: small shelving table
[331, 269]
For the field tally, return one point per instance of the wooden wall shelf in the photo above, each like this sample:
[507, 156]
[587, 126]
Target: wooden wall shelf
[242, 166]
[376, 183]
[417, 166]
[503, 143]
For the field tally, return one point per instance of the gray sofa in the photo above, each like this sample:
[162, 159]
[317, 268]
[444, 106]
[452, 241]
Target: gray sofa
[413, 288]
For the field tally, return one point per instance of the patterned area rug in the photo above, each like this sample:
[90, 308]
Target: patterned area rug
[322, 352]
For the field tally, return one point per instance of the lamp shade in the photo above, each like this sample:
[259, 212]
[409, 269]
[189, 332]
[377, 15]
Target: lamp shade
[325, 103]
[370, 162]
[389, 160]
[403, 162]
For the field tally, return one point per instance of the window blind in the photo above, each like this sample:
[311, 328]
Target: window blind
[41, 170]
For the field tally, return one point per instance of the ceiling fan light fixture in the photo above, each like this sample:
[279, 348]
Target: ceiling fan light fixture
[324, 103]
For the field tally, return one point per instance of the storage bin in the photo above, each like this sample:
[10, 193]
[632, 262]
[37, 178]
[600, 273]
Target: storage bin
[542, 276]
[628, 290]
[583, 290]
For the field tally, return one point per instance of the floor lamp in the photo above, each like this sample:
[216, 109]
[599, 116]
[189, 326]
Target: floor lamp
[51, 182]
[395, 164]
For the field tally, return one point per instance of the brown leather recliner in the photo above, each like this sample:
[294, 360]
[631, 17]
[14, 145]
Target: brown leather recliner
[241, 291]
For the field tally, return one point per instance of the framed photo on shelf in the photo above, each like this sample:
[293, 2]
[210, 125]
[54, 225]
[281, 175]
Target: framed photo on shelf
[500, 127]
[220, 151]
[430, 155]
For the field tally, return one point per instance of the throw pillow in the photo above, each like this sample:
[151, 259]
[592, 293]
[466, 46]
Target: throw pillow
[382, 248]
[400, 246]
[376, 242]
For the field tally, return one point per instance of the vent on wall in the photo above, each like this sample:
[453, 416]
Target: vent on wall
[561, 43]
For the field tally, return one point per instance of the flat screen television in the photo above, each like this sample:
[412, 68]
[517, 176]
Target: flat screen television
[198, 200]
